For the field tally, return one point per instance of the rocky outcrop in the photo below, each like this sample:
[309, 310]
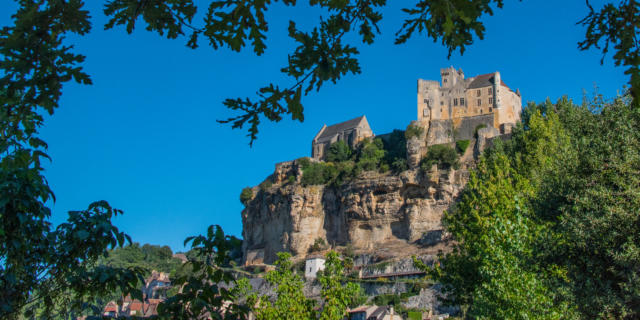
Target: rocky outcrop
[394, 215]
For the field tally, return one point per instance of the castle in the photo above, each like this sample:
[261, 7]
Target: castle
[458, 98]
[448, 111]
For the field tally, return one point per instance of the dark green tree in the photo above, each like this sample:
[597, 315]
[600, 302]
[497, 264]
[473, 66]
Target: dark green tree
[547, 224]
[45, 270]
[338, 152]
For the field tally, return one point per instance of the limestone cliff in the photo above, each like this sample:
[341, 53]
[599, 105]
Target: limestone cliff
[388, 214]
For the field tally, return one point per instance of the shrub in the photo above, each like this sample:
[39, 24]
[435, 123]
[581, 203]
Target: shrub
[304, 162]
[399, 165]
[266, 184]
[338, 152]
[370, 154]
[462, 145]
[291, 179]
[246, 195]
[395, 145]
[318, 245]
[387, 300]
[413, 131]
[442, 155]
[313, 174]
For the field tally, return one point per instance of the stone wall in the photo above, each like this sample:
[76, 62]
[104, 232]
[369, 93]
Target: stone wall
[466, 129]
[440, 131]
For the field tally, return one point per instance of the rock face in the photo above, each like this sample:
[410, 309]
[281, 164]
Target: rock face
[384, 213]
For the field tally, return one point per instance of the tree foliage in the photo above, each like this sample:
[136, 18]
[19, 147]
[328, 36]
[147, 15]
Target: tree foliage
[442, 155]
[328, 52]
[45, 270]
[246, 195]
[204, 290]
[337, 294]
[290, 301]
[147, 257]
[338, 152]
[547, 224]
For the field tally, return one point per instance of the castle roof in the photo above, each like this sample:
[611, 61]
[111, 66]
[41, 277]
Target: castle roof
[484, 80]
[342, 126]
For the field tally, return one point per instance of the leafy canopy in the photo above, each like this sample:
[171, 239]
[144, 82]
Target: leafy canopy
[546, 225]
[328, 52]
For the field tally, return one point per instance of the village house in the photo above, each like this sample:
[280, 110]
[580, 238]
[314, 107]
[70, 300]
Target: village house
[153, 293]
[312, 265]
[351, 132]
[156, 285]
[373, 313]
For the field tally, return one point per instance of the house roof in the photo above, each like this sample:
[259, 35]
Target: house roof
[342, 126]
[136, 305]
[360, 309]
[484, 80]
[111, 307]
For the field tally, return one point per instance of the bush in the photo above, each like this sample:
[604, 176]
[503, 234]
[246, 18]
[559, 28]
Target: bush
[414, 315]
[313, 174]
[442, 155]
[395, 145]
[338, 152]
[318, 245]
[462, 145]
[371, 154]
[304, 162]
[387, 300]
[265, 185]
[246, 195]
[399, 165]
[291, 179]
[413, 131]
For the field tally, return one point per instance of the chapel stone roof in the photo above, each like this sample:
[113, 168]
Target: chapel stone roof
[340, 127]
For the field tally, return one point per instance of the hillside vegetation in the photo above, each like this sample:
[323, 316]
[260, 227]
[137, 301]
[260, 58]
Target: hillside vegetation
[548, 226]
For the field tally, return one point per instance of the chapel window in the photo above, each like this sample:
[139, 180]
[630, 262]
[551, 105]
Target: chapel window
[455, 101]
[462, 101]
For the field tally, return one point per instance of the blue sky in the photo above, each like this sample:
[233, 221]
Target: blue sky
[144, 135]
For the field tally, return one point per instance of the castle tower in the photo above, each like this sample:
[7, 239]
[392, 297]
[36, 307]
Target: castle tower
[497, 84]
[450, 77]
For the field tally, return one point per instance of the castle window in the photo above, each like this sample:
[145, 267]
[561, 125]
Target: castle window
[425, 101]
[445, 80]
[479, 102]
[478, 92]
[490, 90]
[441, 102]
[462, 101]
[490, 109]
[480, 111]
[455, 101]
[490, 100]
